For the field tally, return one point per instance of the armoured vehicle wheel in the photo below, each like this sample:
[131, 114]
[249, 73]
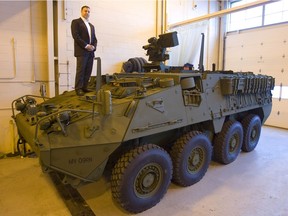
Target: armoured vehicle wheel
[252, 130]
[191, 156]
[228, 142]
[141, 177]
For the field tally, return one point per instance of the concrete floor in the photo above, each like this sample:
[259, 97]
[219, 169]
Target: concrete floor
[255, 184]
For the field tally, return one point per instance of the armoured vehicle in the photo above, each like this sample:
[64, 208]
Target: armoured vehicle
[147, 129]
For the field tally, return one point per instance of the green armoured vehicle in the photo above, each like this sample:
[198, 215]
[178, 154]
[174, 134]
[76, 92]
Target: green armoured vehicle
[147, 128]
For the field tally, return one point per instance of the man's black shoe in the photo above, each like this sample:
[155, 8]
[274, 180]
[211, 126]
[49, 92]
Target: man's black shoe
[86, 90]
[80, 92]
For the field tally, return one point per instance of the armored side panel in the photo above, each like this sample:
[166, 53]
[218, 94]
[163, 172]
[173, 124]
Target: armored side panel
[239, 92]
[80, 144]
[162, 110]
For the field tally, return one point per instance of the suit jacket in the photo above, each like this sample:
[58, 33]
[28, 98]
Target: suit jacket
[81, 37]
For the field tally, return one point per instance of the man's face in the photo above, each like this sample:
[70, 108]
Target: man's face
[85, 12]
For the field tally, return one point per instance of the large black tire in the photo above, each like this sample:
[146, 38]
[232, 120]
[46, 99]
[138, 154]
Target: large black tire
[228, 142]
[141, 177]
[252, 130]
[136, 64]
[191, 156]
[127, 67]
[142, 63]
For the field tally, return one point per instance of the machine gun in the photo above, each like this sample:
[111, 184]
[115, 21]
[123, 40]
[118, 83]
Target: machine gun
[156, 50]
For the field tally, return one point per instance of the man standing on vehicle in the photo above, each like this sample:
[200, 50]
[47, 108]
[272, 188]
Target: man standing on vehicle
[85, 43]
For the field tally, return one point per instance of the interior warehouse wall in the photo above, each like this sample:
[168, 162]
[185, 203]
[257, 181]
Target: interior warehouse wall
[23, 59]
[35, 40]
[189, 35]
[122, 28]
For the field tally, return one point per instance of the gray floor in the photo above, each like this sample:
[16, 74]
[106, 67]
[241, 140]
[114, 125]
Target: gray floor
[256, 184]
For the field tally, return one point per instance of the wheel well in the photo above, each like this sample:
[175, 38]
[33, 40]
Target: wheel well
[122, 149]
[241, 115]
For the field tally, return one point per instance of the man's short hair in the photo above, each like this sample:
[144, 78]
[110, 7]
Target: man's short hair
[85, 6]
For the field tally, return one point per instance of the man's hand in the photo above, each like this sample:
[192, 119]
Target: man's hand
[90, 47]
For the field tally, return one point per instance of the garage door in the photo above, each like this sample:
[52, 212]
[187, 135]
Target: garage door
[263, 51]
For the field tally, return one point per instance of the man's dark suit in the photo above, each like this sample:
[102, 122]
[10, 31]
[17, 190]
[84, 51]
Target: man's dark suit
[84, 57]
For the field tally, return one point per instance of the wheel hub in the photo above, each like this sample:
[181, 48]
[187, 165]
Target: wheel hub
[195, 160]
[148, 180]
[253, 134]
[233, 143]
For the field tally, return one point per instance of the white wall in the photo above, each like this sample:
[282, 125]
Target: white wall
[122, 28]
[23, 57]
[190, 35]
[180, 10]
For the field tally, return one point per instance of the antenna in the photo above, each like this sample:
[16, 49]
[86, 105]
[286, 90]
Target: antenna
[98, 75]
[201, 66]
